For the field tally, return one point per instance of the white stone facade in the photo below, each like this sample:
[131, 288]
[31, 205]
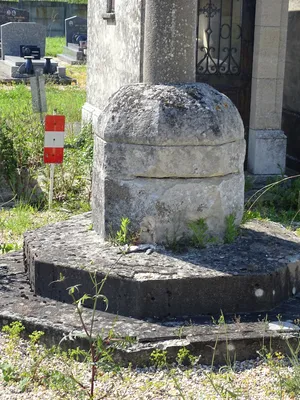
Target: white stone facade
[115, 56]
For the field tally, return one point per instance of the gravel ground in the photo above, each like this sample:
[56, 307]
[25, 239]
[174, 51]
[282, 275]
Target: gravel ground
[253, 379]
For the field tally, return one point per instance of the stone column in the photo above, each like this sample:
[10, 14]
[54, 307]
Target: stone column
[170, 42]
[267, 142]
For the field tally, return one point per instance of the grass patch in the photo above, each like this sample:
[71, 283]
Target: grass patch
[67, 100]
[77, 72]
[16, 102]
[23, 217]
[278, 201]
[55, 45]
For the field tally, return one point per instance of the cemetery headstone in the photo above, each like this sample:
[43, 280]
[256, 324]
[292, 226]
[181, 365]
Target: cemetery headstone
[9, 14]
[75, 28]
[15, 35]
[76, 41]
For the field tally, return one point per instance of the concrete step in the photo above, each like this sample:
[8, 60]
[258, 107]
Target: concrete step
[73, 52]
[70, 60]
[256, 273]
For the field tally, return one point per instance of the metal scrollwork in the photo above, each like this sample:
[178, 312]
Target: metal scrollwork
[210, 10]
[219, 37]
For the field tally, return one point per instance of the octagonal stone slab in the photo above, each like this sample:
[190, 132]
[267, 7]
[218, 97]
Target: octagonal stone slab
[256, 273]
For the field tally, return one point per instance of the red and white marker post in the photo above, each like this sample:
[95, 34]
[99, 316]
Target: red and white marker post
[54, 145]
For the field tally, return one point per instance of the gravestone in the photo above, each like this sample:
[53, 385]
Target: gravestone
[75, 26]
[9, 14]
[16, 34]
[76, 41]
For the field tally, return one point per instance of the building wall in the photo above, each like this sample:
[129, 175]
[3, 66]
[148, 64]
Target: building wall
[116, 60]
[291, 97]
[50, 14]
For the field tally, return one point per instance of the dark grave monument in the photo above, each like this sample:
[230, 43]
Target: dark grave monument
[9, 14]
[76, 41]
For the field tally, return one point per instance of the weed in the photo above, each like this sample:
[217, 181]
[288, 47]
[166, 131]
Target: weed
[13, 331]
[123, 236]
[224, 390]
[279, 201]
[291, 382]
[177, 385]
[158, 358]
[180, 332]
[201, 237]
[275, 361]
[9, 372]
[100, 353]
[231, 230]
[251, 214]
[184, 357]
[6, 247]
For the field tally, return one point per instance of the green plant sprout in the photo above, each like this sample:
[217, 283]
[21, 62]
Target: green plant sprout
[201, 237]
[231, 230]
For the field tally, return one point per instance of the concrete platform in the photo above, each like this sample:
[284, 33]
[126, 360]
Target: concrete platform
[11, 68]
[256, 273]
[73, 55]
[241, 337]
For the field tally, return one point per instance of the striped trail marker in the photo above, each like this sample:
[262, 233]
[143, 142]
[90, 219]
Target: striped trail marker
[53, 146]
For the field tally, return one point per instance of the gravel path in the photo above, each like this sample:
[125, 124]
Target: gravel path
[252, 379]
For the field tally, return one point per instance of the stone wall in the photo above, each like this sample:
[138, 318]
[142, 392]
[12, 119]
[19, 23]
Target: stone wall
[291, 97]
[50, 14]
[117, 59]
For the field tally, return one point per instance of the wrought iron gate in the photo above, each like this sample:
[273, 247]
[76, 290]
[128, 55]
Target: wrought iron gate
[225, 37]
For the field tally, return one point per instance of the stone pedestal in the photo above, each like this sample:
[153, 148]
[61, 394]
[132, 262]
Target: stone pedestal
[266, 152]
[267, 143]
[166, 156]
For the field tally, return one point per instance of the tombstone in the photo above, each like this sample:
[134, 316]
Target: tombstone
[76, 41]
[25, 39]
[74, 27]
[18, 34]
[9, 14]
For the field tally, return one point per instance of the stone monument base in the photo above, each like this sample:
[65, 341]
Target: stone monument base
[254, 274]
[73, 54]
[13, 67]
[166, 156]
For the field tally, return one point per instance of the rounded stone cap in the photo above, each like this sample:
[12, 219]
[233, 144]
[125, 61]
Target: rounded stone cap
[190, 114]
